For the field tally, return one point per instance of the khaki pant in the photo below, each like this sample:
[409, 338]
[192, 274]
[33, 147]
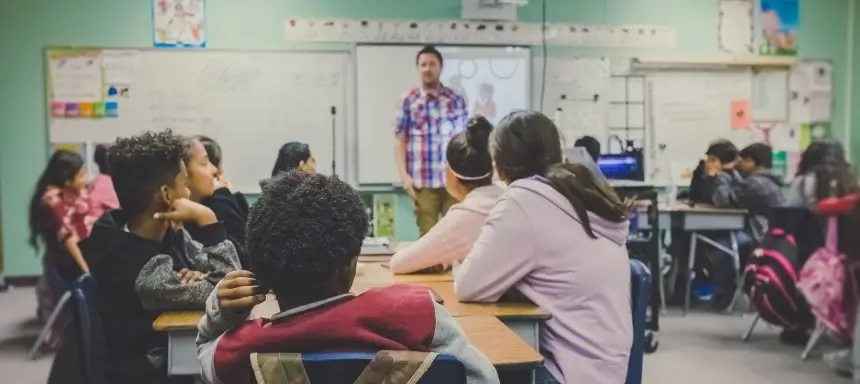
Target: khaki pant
[430, 204]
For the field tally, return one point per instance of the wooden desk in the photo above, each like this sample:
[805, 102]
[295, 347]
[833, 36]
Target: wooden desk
[523, 318]
[503, 347]
[696, 218]
[377, 274]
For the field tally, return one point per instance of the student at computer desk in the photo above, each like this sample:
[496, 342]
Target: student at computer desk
[557, 237]
[305, 234]
[209, 189]
[752, 186]
[144, 263]
[469, 180]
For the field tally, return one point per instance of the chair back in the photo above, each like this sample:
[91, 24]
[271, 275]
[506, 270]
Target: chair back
[640, 291]
[393, 367]
[81, 356]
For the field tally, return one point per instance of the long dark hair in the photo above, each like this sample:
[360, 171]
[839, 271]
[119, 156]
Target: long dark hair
[213, 150]
[289, 157]
[468, 154]
[826, 160]
[527, 143]
[63, 166]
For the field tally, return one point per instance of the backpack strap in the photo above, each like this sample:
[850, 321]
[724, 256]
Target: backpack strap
[832, 240]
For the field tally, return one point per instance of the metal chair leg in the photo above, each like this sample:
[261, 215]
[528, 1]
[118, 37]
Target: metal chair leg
[661, 281]
[813, 340]
[746, 336]
[738, 292]
[691, 263]
[35, 351]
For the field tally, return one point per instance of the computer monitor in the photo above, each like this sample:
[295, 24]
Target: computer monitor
[626, 166]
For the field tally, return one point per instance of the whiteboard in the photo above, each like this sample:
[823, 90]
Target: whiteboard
[384, 73]
[575, 94]
[690, 109]
[250, 102]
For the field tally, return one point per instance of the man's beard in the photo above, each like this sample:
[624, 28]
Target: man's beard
[430, 84]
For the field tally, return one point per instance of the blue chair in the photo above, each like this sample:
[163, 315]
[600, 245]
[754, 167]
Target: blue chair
[640, 291]
[345, 368]
[81, 356]
[67, 287]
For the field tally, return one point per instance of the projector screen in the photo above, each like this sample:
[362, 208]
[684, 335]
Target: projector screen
[494, 81]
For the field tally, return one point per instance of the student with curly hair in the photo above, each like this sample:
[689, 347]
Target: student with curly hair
[142, 259]
[305, 234]
[469, 180]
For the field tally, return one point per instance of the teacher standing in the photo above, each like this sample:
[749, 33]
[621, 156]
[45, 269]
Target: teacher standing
[427, 118]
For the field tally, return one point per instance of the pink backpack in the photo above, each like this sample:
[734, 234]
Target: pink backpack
[823, 280]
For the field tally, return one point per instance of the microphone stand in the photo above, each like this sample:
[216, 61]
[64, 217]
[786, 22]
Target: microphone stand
[333, 140]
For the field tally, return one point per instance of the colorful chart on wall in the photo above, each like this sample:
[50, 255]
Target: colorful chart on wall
[179, 23]
[778, 22]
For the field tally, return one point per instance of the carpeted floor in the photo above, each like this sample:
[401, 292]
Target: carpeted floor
[701, 348]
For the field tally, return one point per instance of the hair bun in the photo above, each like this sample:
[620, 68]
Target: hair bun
[478, 130]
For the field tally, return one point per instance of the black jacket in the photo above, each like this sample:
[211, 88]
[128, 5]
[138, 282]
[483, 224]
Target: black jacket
[137, 279]
[233, 214]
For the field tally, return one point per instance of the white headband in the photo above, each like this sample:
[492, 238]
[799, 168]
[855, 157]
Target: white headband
[470, 178]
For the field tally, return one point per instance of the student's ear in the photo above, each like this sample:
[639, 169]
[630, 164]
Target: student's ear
[164, 195]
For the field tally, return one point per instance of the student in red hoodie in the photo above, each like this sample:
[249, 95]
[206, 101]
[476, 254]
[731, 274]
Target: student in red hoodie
[305, 234]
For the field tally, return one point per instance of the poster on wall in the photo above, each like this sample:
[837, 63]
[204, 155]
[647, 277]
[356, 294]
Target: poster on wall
[179, 23]
[735, 28]
[778, 22]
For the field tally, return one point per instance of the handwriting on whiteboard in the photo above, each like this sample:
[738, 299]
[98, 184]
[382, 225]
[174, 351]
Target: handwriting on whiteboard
[222, 76]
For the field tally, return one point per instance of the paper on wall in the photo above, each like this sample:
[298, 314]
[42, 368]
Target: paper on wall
[76, 79]
[119, 66]
[770, 95]
[820, 103]
[735, 31]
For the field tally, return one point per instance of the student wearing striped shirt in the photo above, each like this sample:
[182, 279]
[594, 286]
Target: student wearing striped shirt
[427, 118]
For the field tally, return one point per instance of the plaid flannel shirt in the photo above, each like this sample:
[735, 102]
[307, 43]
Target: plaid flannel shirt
[429, 121]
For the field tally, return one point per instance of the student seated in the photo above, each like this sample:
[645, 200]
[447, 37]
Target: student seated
[216, 157]
[557, 237]
[142, 260]
[720, 152]
[752, 185]
[591, 145]
[292, 155]
[102, 196]
[305, 233]
[468, 179]
[722, 156]
[822, 164]
[207, 189]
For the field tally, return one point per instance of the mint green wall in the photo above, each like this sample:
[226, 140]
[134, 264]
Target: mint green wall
[28, 26]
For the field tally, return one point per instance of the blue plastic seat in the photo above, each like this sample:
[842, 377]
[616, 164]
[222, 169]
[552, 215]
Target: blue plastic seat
[640, 291]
